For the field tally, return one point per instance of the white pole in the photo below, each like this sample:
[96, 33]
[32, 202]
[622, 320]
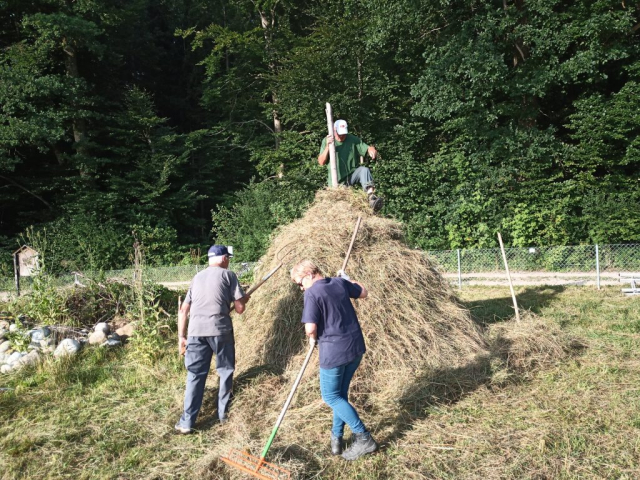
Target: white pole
[332, 148]
[459, 272]
[506, 266]
[597, 267]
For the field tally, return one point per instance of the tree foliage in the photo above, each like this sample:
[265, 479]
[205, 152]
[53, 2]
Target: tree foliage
[518, 116]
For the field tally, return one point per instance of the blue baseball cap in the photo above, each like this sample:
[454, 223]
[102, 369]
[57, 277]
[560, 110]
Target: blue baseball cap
[219, 250]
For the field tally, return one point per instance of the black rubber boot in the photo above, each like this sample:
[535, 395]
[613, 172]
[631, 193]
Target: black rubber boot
[376, 203]
[336, 445]
[363, 443]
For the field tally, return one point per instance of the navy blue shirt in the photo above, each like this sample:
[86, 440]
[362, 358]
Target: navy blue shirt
[327, 303]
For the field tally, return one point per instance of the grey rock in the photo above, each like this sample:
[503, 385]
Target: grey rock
[113, 336]
[5, 346]
[14, 357]
[40, 334]
[97, 338]
[4, 325]
[31, 358]
[47, 342]
[102, 327]
[6, 368]
[3, 333]
[13, 327]
[111, 343]
[68, 346]
[126, 330]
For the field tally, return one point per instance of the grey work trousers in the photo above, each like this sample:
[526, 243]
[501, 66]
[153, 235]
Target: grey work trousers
[200, 351]
[361, 175]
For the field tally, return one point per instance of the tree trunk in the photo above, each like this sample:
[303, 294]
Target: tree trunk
[268, 22]
[79, 124]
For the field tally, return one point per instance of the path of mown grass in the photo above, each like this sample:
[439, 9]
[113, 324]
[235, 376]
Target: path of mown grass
[105, 415]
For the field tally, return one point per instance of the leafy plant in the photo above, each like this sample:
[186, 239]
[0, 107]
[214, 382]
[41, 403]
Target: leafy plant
[19, 338]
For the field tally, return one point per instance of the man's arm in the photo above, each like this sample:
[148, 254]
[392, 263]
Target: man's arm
[323, 158]
[373, 153]
[183, 323]
[240, 305]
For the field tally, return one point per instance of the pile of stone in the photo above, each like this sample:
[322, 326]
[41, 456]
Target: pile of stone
[42, 342]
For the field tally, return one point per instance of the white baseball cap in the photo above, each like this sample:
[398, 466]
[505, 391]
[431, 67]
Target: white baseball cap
[340, 127]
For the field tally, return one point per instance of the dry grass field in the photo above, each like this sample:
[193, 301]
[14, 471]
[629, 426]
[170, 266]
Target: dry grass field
[104, 414]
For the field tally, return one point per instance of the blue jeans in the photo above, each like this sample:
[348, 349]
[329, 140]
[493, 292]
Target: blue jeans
[197, 359]
[361, 175]
[334, 386]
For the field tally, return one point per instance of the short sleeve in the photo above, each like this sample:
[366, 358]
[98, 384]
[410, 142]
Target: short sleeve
[362, 147]
[234, 286]
[353, 289]
[187, 297]
[323, 144]
[311, 312]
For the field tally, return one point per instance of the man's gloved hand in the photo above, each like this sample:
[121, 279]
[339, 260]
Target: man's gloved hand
[341, 274]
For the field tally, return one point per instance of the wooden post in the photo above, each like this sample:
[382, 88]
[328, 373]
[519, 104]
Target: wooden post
[597, 267]
[16, 271]
[459, 271]
[332, 148]
[506, 266]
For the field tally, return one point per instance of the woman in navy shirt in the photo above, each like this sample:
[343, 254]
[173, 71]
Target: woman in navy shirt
[330, 318]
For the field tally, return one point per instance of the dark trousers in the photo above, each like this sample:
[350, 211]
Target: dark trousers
[200, 351]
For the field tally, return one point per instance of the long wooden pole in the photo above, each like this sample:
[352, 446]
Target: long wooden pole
[16, 272]
[506, 266]
[332, 148]
[353, 239]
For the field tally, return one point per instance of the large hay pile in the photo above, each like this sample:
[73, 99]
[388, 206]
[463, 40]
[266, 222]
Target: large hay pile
[411, 320]
[423, 347]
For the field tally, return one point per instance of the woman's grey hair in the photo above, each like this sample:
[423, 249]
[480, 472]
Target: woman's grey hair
[304, 268]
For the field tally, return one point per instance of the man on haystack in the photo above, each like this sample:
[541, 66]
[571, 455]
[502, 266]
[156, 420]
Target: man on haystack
[210, 332]
[348, 148]
[329, 317]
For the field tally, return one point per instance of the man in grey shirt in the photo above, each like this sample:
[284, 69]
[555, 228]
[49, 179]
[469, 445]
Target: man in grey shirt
[210, 332]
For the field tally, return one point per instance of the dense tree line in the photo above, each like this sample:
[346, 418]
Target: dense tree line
[146, 116]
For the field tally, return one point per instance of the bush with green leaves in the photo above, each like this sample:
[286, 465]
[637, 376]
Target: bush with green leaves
[251, 215]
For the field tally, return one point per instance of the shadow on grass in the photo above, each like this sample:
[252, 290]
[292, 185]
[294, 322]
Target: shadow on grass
[436, 388]
[494, 310]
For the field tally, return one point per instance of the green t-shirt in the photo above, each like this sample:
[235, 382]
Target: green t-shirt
[346, 154]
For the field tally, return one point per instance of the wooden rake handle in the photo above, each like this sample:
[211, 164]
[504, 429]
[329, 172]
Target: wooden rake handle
[353, 239]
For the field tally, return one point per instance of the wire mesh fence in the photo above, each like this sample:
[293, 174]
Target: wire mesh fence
[578, 264]
[176, 276]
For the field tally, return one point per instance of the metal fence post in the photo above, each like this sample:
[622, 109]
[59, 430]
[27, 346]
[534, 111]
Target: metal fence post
[597, 266]
[459, 271]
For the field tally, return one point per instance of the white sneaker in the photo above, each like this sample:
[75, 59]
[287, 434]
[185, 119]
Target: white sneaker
[182, 430]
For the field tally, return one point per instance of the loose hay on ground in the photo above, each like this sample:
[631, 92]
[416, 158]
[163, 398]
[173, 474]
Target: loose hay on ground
[530, 344]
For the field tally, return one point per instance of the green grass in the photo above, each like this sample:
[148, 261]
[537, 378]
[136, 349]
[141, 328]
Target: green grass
[106, 415]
